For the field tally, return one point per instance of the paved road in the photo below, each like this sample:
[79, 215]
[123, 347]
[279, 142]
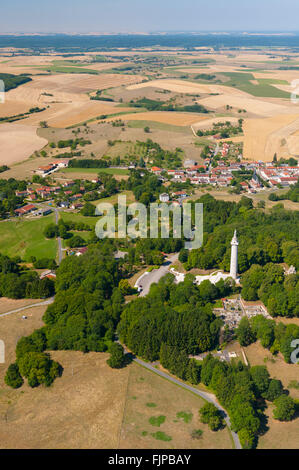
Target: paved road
[146, 280]
[39, 304]
[206, 396]
[58, 239]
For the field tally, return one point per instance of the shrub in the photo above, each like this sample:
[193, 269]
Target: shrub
[13, 377]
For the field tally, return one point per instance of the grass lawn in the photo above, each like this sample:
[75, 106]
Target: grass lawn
[76, 217]
[114, 199]
[24, 238]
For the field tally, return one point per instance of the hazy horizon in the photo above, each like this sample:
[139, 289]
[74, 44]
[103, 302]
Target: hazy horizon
[144, 16]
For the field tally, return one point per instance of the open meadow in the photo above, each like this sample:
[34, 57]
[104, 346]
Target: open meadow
[95, 407]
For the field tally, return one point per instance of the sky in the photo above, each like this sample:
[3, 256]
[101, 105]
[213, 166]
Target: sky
[85, 16]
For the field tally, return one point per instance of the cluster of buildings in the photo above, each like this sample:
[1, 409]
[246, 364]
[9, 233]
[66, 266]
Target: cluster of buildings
[279, 175]
[45, 193]
[46, 170]
[32, 209]
[223, 174]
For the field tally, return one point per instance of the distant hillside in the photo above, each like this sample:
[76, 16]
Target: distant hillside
[13, 81]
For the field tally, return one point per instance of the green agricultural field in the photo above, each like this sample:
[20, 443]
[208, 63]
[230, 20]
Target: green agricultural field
[158, 125]
[25, 238]
[64, 69]
[269, 81]
[242, 81]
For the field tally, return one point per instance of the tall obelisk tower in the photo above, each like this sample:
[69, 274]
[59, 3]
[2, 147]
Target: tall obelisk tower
[234, 257]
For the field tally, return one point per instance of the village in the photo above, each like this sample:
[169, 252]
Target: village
[222, 168]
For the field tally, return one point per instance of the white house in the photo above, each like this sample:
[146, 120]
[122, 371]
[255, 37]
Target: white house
[164, 197]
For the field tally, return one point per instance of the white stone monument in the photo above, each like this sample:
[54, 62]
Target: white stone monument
[234, 257]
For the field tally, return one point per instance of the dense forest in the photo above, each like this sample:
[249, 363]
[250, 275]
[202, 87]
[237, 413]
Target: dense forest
[265, 240]
[83, 316]
[242, 391]
[74, 43]
[263, 237]
[279, 292]
[179, 315]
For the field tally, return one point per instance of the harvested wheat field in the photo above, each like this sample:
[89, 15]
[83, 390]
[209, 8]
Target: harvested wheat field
[167, 117]
[280, 435]
[68, 114]
[13, 107]
[265, 137]
[13, 327]
[65, 86]
[252, 105]
[64, 97]
[83, 408]
[18, 142]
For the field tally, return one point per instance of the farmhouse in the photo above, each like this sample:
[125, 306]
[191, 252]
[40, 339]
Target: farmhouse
[25, 209]
[156, 170]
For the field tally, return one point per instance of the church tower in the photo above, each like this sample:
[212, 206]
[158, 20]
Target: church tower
[234, 257]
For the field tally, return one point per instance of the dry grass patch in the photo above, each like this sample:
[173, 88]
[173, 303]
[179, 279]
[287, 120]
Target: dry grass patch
[83, 408]
[281, 435]
[6, 305]
[277, 367]
[172, 403]
[13, 327]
